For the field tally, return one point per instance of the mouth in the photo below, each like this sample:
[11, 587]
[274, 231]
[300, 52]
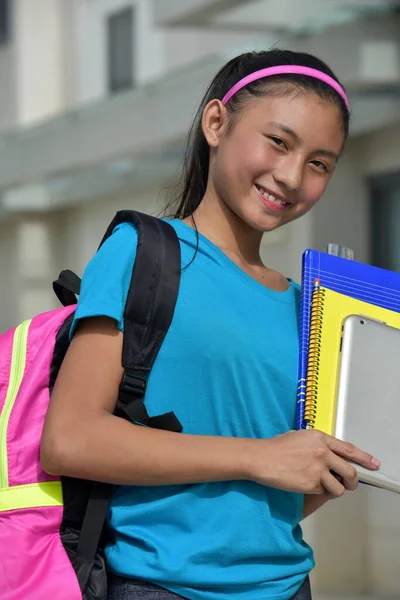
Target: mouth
[271, 200]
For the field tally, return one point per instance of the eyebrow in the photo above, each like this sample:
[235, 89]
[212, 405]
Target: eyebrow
[296, 138]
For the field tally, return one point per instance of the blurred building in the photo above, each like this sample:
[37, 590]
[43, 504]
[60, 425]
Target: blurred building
[96, 97]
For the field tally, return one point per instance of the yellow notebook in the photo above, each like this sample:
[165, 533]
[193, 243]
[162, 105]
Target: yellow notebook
[328, 311]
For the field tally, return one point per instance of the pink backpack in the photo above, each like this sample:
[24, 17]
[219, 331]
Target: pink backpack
[52, 532]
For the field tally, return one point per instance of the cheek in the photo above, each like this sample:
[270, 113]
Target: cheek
[253, 158]
[314, 189]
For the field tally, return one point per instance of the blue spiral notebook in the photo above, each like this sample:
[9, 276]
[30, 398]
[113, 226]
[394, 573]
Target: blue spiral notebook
[357, 280]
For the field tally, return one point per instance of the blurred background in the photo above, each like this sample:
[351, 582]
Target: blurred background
[96, 97]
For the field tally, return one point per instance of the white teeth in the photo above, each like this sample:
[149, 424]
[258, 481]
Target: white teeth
[272, 198]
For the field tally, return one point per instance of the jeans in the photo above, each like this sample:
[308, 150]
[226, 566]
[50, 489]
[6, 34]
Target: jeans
[133, 589]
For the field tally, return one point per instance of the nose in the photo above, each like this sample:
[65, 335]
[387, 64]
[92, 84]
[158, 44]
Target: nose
[290, 175]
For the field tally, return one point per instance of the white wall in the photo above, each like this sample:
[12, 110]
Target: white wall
[7, 88]
[39, 58]
[8, 275]
[379, 153]
[26, 268]
[339, 535]
[78, 231]
[89, 43]
[360, 52]
[282, 249]
[185, 45]
[342, 216]
[156, 51]
[35, 248]
[35, 268]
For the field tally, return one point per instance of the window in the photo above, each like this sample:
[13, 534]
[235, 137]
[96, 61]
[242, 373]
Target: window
[4, 21]
[120, 50]
[385, 222]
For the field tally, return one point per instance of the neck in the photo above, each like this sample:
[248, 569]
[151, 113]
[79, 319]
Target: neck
[226, 230]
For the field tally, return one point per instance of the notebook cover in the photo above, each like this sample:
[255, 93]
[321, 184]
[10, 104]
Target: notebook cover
[357, 280]
[329, 310]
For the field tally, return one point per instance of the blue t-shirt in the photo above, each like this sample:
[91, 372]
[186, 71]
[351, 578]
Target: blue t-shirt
[227, 367]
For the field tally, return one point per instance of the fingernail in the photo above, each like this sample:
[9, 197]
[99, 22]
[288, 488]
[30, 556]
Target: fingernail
[376, 462]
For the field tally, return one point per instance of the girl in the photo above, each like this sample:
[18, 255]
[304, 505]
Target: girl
[214, 513]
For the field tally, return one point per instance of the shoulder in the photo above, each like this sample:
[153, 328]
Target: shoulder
[117, 250]
[124, 235]
[107, 276]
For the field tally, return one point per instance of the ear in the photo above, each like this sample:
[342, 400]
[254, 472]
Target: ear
[213, 122]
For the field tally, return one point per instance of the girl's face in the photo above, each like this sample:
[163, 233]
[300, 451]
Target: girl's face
[275, 161]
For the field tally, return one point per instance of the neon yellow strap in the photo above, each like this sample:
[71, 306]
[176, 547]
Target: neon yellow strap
[33, 495]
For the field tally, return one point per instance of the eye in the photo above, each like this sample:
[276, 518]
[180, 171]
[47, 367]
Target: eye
[320, 165]
[278, 142]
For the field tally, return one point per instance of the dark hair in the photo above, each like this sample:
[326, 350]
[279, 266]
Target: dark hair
[193, 181]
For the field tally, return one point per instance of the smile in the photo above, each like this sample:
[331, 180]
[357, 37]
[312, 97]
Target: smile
[270, 200]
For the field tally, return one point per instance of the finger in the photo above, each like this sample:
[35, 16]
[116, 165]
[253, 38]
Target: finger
[332, 486]
[351, 452]
[344, 472]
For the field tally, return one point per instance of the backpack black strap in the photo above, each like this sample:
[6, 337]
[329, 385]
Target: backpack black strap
[148, 313]
[67, 287]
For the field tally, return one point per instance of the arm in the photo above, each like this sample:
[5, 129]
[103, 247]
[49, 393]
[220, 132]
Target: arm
[313, 503]
[82, 438]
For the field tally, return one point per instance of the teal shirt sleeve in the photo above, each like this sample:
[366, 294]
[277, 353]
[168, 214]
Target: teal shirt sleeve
[106, 279]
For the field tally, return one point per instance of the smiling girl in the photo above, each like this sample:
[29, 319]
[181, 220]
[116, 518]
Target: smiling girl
[214, 513]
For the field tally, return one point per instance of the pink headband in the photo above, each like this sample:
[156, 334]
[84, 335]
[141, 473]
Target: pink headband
[287, 70]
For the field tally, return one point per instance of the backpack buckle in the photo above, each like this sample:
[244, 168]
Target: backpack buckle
[133, 385]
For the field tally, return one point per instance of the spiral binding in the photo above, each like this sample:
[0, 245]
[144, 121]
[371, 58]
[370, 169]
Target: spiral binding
[314, 352]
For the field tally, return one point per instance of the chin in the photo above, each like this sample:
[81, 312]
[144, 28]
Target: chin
[264, 224]
[261, 221]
